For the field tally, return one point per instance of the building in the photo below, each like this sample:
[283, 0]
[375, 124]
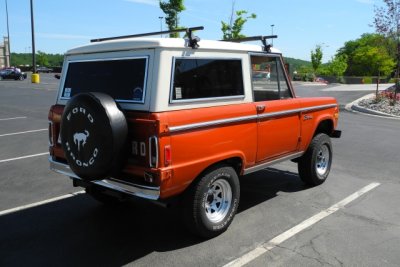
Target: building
[4, 54]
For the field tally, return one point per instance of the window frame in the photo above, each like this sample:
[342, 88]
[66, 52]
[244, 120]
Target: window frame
[145, 78]
[289, 85]
[205, 99]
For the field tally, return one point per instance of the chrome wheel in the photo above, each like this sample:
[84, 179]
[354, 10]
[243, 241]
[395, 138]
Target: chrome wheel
[323, 160]
[219, 200]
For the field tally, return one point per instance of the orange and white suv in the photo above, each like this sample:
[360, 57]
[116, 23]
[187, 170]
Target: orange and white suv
[162, 119]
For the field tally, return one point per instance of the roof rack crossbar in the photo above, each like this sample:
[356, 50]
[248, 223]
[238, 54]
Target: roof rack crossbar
[187, 30]
[261, 38]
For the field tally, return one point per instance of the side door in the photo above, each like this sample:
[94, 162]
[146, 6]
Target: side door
[278, 132]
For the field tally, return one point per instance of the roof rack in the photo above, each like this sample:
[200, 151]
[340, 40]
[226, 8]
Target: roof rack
[193, 40]
[262, 38]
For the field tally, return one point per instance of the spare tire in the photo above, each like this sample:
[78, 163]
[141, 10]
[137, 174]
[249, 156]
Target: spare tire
[93, 134]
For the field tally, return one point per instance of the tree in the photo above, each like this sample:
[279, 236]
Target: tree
[316, 58]
[368, 55]
[338, 65]
[171, 10]
[375, 60]
[387, 22]
[233, 29]
[42, 59]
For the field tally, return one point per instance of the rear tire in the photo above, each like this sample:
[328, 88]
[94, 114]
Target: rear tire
[314, 166]
[212, 201]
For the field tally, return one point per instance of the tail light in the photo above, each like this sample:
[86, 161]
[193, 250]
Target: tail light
[167, 155]
[51, 143]
[153, 152]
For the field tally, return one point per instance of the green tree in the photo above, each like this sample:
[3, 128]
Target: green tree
[374, 60]
[171, 10]
[316, 58]
[338, 65]
[361, 51]
[233, 29]
[42, 59]
[387, 23]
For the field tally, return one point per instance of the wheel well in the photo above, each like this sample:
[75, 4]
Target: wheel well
[325, 126]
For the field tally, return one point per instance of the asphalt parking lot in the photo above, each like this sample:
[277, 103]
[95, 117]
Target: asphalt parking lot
[351, 220]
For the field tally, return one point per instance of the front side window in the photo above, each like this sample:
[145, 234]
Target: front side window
[123, 79]
[268, 77]
[195, 78]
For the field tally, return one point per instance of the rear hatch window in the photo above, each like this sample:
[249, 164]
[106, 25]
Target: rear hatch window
[123, 79]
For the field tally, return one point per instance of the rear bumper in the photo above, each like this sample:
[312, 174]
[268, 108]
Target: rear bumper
[147, 192]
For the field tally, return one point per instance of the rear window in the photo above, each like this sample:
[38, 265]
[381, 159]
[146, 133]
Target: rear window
[198, 79]
[123, 79]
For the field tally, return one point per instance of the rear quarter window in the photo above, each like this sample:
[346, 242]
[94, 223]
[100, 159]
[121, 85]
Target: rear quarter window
[199, 79]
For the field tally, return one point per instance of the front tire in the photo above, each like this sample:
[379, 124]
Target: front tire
[211, 203]
[314, 166]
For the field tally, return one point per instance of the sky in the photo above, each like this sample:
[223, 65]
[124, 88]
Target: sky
[300, 25]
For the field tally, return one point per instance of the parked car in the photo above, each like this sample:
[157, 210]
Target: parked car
[321, 80]
[188, 118]
[13, 74]
[44, 70]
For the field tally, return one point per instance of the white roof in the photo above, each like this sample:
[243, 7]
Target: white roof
[143, 43]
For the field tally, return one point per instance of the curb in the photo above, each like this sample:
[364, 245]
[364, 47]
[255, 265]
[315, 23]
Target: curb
[353, 106]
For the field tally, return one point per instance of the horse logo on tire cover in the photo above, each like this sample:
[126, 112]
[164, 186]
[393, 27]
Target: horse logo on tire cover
[80, 138]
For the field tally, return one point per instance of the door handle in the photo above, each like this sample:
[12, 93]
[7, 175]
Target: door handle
[260, 108]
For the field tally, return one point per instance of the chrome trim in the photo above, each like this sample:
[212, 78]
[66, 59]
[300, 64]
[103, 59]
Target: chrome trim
[267, 164]
[147, 192]
[175, 129]
[294, 111]
[155, 139]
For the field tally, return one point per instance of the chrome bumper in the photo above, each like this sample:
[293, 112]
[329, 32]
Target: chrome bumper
[141, 191]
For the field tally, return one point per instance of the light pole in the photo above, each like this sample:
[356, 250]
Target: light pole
[33, 41]
[8, 38]
[161, 18]
[272, 33]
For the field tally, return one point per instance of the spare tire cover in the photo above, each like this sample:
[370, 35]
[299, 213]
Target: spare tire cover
[93, 133]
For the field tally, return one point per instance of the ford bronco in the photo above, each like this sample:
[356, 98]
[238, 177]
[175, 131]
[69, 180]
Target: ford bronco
[171, 118]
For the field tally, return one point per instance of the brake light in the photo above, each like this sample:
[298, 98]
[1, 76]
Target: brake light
[153, 149]
[51, 143]
[167, 155]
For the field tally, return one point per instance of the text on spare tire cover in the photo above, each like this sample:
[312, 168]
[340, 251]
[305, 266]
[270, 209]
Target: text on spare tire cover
[81, 138]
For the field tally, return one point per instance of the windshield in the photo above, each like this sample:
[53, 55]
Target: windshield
[123, 79]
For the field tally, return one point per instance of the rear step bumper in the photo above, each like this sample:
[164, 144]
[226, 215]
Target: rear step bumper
[147, 192]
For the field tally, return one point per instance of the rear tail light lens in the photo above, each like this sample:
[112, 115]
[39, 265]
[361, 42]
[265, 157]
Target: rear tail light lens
[51, 143]
[167, 155]
[153, 149]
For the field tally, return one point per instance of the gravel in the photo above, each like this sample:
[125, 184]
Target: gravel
[382, 106]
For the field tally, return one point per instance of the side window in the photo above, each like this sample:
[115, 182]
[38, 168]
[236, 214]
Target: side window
[195, 78]
[268, 77]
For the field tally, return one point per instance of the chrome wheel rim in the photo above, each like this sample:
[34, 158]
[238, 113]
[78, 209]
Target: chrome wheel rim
[219, 200]
[323, 160]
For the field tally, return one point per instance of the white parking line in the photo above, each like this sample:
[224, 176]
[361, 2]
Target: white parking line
[24, 157]
[15, 118]
[31, 131]
[24, 207]
[264, 248]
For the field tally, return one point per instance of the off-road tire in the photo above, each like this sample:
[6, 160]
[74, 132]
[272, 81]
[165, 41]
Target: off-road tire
[314, 166]
[210, 204]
